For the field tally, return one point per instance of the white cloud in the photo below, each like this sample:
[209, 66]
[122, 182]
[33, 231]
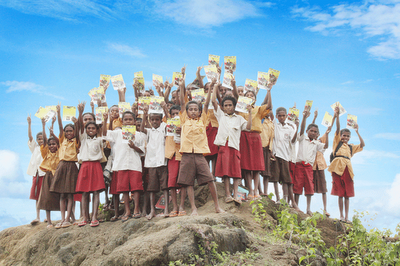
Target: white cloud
[11, 176]
[389, 136]
[125, 50]
[393, 193]
[370, 19]
[347, 82]
[366, 156]
[16, 86]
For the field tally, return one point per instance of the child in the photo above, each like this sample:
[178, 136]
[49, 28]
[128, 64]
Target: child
[127, 166]
[341, 169]
[33, 167]
[155, 160]
[64, 181]
[267, 137]
[308, 148]
[228, 140]
[90, 178]
[193, 146]
[48, 201]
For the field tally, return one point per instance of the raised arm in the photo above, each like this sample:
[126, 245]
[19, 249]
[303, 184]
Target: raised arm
[234, 88]
[80, 127]
[249, 108]
[92, 105]
[268, 99]
[306, 114]
[198, 76]
[105, 118]
[168, 87]
[297, 122]
[362, 143]
[182, 93]
[60, 125]
[44, 132]
[121, 95]
[315, 116]
[214, 94]
[135, 89]
[145, 118]
[207, 103]
[29, 128]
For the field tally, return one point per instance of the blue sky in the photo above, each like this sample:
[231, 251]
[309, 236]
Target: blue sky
[54, 51]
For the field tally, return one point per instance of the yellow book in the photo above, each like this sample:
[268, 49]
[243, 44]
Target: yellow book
[273, 75]
[138, 76]
[250, 85]
[342, 111]
[175, 78]
[228, 77]
[141, 103]
[68, 113]
[104, 81]
[198, 95]
[351, 121]
[118, 82]
[262, 80]
[327, 120]
[308, 105]
[128, 133]
[123, 107]
[230, 63]
[51, 112]
[211, 72]
[157, 80]
[41, 112]
[213, 60]
[99, 114]
[242, 104]
[293, 114]
[155, 105]
[172, 125]
[97, 94]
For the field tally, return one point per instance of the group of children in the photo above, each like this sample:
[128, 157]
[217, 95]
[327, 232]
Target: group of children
[88, 158]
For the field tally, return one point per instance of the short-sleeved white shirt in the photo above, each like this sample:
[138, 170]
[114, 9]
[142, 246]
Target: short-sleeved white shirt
[91, 148]
[230, 127]
[155, 152]
[308, 149]
[126, 158]
[36, 159]
[283, 137]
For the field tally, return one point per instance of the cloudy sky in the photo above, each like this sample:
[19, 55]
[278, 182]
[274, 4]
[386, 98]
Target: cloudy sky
[348, 51]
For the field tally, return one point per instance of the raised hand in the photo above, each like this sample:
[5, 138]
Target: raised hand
[29, 119]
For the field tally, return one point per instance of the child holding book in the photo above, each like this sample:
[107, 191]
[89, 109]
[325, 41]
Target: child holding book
[33, 167]
[341, 168]
[193, 146]
[267, 138]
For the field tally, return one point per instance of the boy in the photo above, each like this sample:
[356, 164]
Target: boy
[341, 169]
[308, 148]
[267, 138]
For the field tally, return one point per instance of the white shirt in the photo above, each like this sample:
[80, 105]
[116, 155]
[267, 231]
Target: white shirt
[126, 158]
[36, 159]
[308, 149]
[292, 146]
[230, 127]
[155, 152]
[283, 137]
[91, 148]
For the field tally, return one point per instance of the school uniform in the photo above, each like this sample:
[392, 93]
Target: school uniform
[228, 140]
[293, 156]
[267, 139]
[34, 170]
[127, 162]
[155, 159]
[341, 169]
[90, 177]
[174, 159]
[193, 145]
[67, 172]
[319, 171]
[49, 201]
[252, 157]
[212, 130]
[305, 159]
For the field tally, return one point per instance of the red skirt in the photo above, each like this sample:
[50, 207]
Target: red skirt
[228, 162]
[90, 178]
[78, 197]
[114, 183]
[251, 151]
[173, 171]
[211, 134]
[36, 187]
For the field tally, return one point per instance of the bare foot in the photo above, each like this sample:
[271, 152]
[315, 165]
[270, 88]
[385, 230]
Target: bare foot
[219, 210]
[151, 215]
[35, 222]
[143, 214]
[194, 213]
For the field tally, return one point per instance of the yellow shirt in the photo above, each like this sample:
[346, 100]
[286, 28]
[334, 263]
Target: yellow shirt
[339, 163]
[172, 148]
[116, 123]
[257, 114]
[68, 150]
[319, 158]
[50, 160]
[212, 119]
[193, 136]
[267, 133]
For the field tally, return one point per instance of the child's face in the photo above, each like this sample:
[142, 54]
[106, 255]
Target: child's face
[155, 120]
[240, 91]
[39, 140]
[169, 105]
[228, 107]
[193, 111]
[222, 91]
[174, 113]
[281, 116]
[173, 97]
[251, 95]
[114, 112]
[228, 93]
[91, 130]
[312, 133]
[146, 94]
[87, 118]
[138, 123]
[69, 133]
[53, 146]
[128, 120]
[345, 137]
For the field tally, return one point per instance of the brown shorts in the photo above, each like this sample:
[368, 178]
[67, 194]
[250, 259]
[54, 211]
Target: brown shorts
[267, 162]
[158, 178]
[319, 181]
[280, 171]
[194, 166]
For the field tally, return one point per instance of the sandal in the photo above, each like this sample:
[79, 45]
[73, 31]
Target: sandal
[173, 214]
[136, 215]
[257, 197]
[66, 224]
[83, 223]
[228, 199]
[327, 214]
[49, 226]
[238, 201]
[182, 213]
[58, 226]
[114, 219]
[125, 218]
[94, 223]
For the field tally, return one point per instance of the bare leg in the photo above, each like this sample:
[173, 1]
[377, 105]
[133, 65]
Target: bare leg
[324, 202]
[226, 183]
[265, 183]
[290, 192]
[48, 217]
[96, 202]
[116, 205]
[213, 163]
[136, 198]
[126, 204]
[309, 212]
[190, 193]
[70, 199]
[213, 190]
[285, 188]
[340, 201]
[174, 200]
[63, 206]
[277, 197]
[235, 187]
[152, 204]
[256, 177]
[346, 207]
[183, 196]
[249, 182]
[145, 203]
[166, 197]
[296, 198]
[84, 214]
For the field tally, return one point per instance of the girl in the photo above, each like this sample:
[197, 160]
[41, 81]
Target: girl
[64, 181]
[49, 149]
[90, 178]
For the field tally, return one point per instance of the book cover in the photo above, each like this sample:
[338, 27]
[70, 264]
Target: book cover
[138, 76]
[242, 104]
[342, 111]
[293, 114]
[228, 77]
[198, 95]
[172, 125]
[99, 114]
[155, 105]
[211, 72]
[68, 113]
[141, 103]
[161, 202]
[327, 120]
[273, 75]
[41, 112]
[47, 112]
[128, 133]
[213, 60]
[308, 105]
[351, 121]
[97, 94]
[157, 80]
[262, 80]
[118, 82]
[250, 85]
[104, 81]
[230, 63]
[123, 107]
[175, 78]
[242, 193]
